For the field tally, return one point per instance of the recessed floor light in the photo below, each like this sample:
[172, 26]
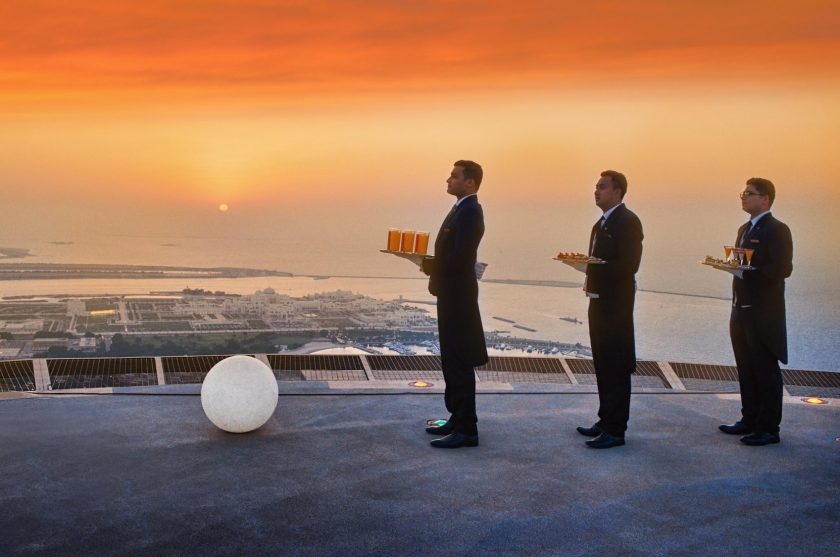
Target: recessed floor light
[814, 400]
[421, 384]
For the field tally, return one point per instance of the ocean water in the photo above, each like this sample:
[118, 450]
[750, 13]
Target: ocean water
[682, 308]
[668, 326]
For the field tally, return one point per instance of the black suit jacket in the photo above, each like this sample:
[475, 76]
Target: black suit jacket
[764, 288]
[611, 330]
[452, 279]
[619, 243]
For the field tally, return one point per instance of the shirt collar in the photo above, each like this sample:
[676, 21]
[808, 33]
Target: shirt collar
[608, 212]
[757, 218]
[465, 197]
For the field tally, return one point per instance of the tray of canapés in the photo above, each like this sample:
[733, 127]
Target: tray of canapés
[736, 259]
[575, 257]
[407, 241]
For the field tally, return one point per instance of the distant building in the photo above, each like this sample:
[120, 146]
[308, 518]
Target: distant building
[44, 344]
[84, 344]
[10, 348]
[76, 307]
[209, 312]
[26, 326]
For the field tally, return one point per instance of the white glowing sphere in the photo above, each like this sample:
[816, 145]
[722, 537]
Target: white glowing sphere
[239, 394]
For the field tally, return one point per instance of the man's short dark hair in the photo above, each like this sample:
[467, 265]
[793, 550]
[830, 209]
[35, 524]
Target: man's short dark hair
[618, 180]
[764, 187]
[471, 170]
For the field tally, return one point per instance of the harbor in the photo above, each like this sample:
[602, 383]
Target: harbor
[203, 321]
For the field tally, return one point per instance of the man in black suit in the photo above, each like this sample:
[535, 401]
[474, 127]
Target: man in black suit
[611, 287]
[757, 324]
[452, 279]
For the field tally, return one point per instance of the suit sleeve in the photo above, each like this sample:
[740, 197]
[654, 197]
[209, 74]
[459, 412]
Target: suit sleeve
[469, 230]
[779, 266]
[628, 256]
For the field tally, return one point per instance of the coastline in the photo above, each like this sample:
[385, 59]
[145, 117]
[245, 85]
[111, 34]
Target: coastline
[14, 253]
[62, 271]
[76, 271]
[671, 326]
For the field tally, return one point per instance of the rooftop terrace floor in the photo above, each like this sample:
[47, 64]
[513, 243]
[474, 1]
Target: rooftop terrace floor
[347, 470]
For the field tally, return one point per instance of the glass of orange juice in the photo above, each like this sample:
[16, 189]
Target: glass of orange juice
[421, 243]
[748, 252]
[394, 239]
[407, 241]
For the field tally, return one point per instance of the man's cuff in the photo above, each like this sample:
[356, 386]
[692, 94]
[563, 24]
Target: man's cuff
[427, 265]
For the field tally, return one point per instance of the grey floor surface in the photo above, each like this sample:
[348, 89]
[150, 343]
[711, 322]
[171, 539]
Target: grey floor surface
[336, 473]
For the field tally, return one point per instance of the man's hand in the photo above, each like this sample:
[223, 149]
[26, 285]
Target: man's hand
[415, 258]
[726, 267]
[576, 265]
[737, 272]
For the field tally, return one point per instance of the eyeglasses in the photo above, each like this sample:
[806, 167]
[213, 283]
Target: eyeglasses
[746, 194]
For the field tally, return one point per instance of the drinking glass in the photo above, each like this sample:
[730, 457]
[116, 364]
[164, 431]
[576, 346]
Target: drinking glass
[394, 239]
[407, 241]
[421, 243]
[749, 253]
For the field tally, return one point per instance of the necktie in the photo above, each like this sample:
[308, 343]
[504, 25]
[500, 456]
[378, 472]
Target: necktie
[598, 226]
[746, 233]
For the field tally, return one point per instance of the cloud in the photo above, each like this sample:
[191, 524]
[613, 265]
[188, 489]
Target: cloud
[122, 49]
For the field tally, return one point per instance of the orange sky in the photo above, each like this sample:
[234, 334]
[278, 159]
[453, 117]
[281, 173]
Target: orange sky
[244, 101]
[107, 51]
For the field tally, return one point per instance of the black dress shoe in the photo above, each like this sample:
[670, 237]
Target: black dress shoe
[441, 430]
[738, 428]
[605, 441]
[456, 440]
[760, 438]
[593, 431]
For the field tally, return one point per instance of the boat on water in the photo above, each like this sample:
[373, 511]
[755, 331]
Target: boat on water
[505, 319]
[399, 348]
[571, 320]
[524, 328]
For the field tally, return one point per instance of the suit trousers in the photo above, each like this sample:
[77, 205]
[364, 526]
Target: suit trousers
[759, 375]
[459, 396]
[613, 354]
